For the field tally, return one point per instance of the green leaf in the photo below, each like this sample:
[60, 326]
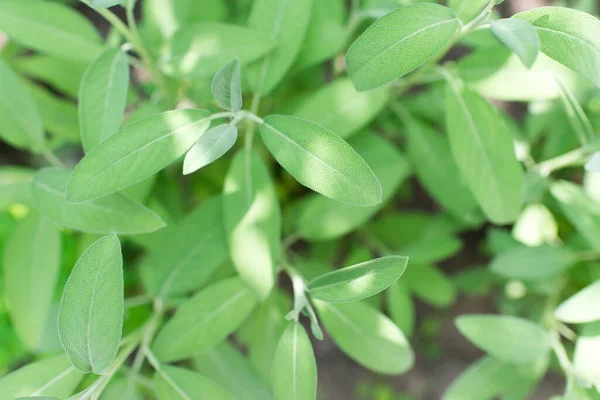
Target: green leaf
[200, 50]
[31, 265]
[367, 336]
[533, 263]
[252, 221]
[51, 28]
[321, 160]
[52, 376]
[519, 36]
[536, 226]
[401, 307]
[482, 145]
[435, 167]
[358, 281]
[294, 366]
[505, 337]
[586, 360]
[174, 383]
[581, 210]
[62, 75]
[228, 367]
[227, 86]
[430, 285]
[379, 55]
[20, 122]
[340, 108]
[579, 121]
[136, 152]
[286, 23]
[102, 97]
[569, 36]
[212, 145]
[467, 10]
[327, 20]
[582, 307]
[59, 116]
[90, 318]
[321, 218]
[119, 388]
[204, 320]
[172, 267]
[113, 213]
[14, 186]
[105, 3]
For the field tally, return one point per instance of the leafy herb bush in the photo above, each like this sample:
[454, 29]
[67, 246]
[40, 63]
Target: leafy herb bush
[195, 201]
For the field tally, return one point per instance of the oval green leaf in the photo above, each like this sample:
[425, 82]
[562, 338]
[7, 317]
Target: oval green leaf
[200, 50]
[519, 36]
[482, 145]
[136, 152]
[51, 28]
[582, 307]
[211, 146]
[321, 160]
[20, 121]
[358, 281]
[113, 213]
[54, 376]
[507, 338]
[294, 366]
[533, 263]
[204, 320]
[367, 336]
[31, 261]
[569, 36]
[226, 87]
[399, 43]
[102, 97]
[90, 318]
[175, 383]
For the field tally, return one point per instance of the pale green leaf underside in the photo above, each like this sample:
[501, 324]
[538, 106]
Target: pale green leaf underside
[520, 37]
[90, 318]
[212, 145]
[582, 307]
[227, 86]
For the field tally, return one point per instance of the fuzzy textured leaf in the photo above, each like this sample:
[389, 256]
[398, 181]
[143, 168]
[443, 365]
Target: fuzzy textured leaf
[90, 318]
[211, 146]
[379, 55]
[136, 152]
[321, 160]
[227, 86]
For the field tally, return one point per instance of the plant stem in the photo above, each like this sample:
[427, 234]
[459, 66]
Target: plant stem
[53, 159]
[574, 157]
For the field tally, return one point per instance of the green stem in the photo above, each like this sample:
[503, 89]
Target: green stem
[572, 158]
[53, 159]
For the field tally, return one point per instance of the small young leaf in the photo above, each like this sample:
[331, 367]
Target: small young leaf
[294, 366]
[286, 23]
[379, 55]
[533, 263]
[340, 108]
[367, 336]
[519, 36]
[54, 376]
[569, 36]
[204, 320]
[508, 338]
[358, 281]
[483, 148]
[51, 28]
[172, 268]
[113, 213]
[31, 264]
[175, 383]
[321, 160]
[102, 97]
[136, 152]
[227, 86]
[212, 145]
[582, 307]
[20, 121]
[90, 318]
[200, 50]
[252, 221]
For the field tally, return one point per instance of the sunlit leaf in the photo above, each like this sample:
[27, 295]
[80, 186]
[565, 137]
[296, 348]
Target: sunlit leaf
[212, 145]
[582, 307]
[90, 319]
